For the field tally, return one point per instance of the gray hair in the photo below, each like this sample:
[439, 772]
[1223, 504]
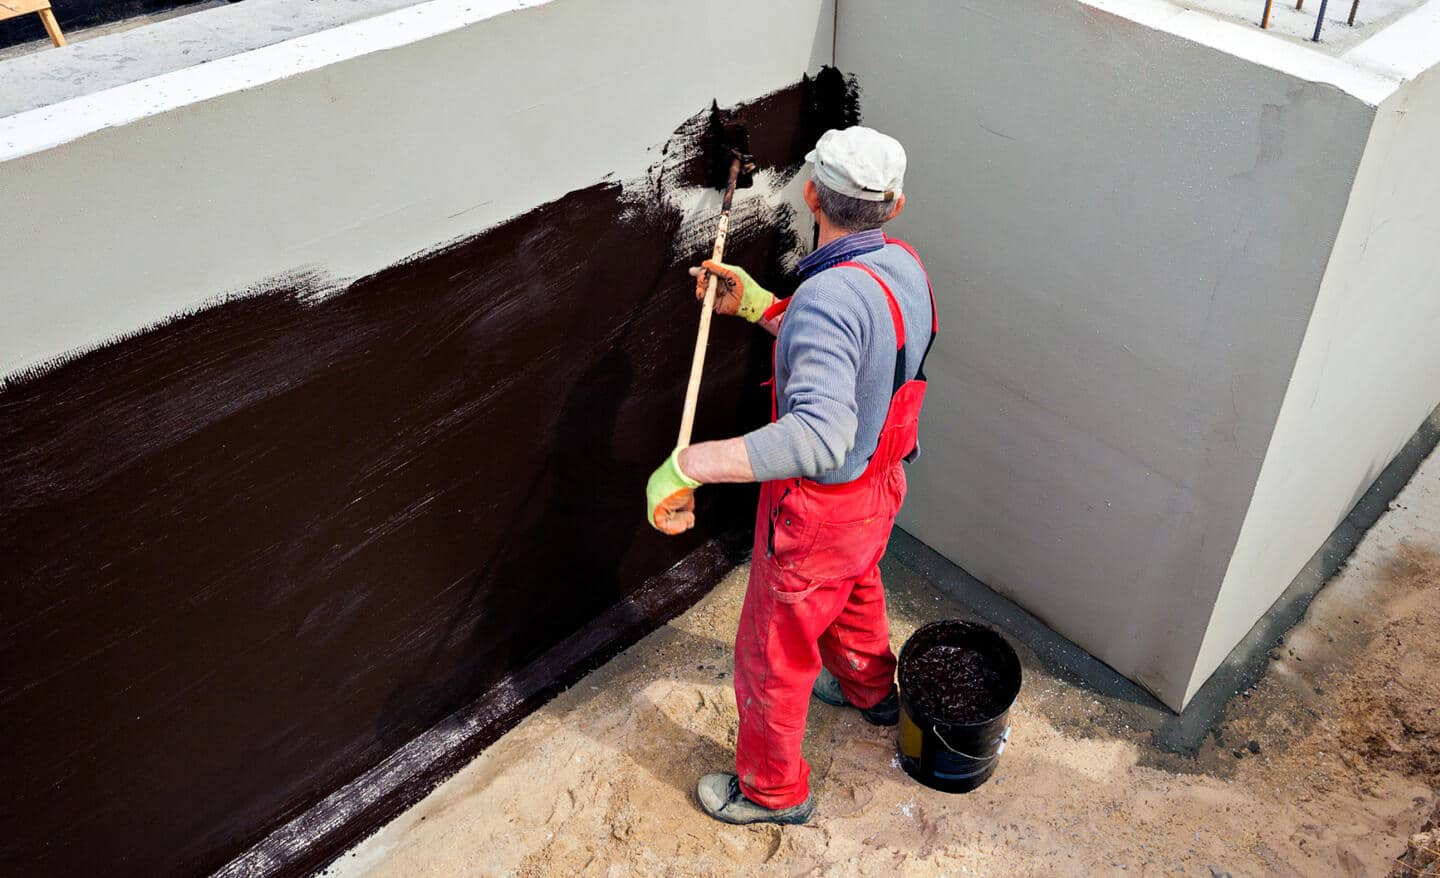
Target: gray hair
[852, 214]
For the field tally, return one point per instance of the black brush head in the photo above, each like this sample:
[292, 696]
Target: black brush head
[829, 100]
[726, 139]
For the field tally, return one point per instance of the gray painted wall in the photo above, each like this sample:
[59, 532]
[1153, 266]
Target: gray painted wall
[1367, 374]
[1127, 231]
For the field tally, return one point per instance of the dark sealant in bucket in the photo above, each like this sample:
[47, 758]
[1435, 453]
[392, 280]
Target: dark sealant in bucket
[958, 681]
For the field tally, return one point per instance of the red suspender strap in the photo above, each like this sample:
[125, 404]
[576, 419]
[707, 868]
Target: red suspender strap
[934, 312]
[889, 300]
[895, 317]
[776, 309]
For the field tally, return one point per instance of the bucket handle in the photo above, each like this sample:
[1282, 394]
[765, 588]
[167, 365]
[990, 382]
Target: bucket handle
[1001, 741]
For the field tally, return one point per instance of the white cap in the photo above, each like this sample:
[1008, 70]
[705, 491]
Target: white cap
[859, 162]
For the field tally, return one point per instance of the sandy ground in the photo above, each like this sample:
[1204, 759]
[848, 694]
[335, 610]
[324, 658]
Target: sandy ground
[600, 782]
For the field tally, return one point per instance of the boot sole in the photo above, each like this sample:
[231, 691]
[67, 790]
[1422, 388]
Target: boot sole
[796, 819]
[892, 720]
[881, 721]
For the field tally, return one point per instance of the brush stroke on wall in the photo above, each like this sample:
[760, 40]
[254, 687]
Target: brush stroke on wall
[254, 551]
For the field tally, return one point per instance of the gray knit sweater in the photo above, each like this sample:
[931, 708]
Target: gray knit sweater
[835, 366]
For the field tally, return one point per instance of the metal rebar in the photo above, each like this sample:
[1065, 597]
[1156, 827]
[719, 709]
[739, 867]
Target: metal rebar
[1319, 21]
[1265, 19]
[1354, 8]
[1299, 4]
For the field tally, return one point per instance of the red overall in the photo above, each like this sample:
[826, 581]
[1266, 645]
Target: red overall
[815, 595]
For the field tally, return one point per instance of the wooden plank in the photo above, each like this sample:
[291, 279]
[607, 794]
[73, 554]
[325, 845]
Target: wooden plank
[52, 27]
[12, 8]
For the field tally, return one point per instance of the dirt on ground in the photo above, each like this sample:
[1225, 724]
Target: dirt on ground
[1422, 852]
[1368, 726]
[1326, 767]
[1386, 706]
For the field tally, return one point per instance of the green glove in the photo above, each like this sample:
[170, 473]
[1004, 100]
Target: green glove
[736, 293]
[670, 497]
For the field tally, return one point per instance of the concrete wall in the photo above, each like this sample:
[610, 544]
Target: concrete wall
[1127, 228]
[1368, 372]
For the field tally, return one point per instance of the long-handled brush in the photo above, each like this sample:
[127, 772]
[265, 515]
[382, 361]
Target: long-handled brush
[725, 161]
[702, 339]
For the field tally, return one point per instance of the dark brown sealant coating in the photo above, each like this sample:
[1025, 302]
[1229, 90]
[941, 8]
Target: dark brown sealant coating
[251, 552]
[776, 131]
[725, 140]
[950, 680]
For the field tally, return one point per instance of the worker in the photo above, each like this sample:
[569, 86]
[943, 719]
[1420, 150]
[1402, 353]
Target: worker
[848, 386]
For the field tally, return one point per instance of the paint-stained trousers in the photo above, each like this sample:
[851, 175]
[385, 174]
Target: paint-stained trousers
[814, 598]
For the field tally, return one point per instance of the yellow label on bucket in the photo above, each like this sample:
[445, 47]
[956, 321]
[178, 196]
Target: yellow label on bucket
[911, 738]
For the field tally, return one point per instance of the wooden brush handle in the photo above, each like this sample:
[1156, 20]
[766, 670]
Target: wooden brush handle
[702, 339]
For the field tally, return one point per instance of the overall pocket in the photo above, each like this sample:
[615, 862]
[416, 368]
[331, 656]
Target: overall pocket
[788, 588]
[790, 527]
[790, 536]
[823, 535]
[845, 549]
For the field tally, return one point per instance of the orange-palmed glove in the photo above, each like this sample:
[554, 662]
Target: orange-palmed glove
[670, 497]
[736, 292]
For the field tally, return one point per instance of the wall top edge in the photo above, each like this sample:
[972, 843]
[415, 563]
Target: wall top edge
[1356, 72]
[91, 64]
[41, 128]
[1405, 49]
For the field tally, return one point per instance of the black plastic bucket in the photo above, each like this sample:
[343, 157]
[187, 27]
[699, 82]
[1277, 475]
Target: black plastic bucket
[958, 681]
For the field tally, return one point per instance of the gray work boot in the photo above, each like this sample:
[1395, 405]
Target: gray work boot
[886, 713]
[721, 798]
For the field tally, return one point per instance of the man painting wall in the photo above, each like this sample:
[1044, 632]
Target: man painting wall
[847, 392]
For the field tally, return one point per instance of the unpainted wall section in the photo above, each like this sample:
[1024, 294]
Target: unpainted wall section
[1368, 372]
[1126, 232]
